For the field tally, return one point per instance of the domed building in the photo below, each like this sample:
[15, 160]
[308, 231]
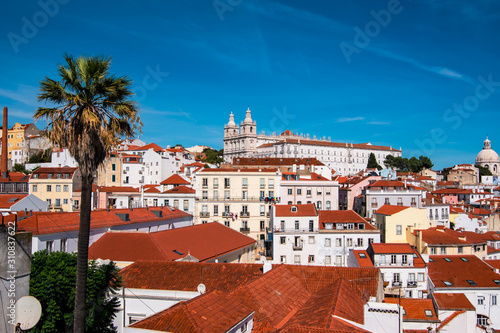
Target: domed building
[488, 158]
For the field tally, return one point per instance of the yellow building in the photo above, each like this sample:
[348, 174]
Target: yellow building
[109, 173]
[236, 198]
[17, 143]
[444, 241]
[397, 222]
[56, 186]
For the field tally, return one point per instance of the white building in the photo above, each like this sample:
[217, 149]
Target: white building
[303, 235]
[468, 275]
[403, 269]
[345, 158]
[395, 193]
[309, 188]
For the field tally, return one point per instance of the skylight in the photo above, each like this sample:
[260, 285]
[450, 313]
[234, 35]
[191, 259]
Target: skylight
[431, 260]
[178, 252]
[497, 282]
[464, 259]
[362, 255]
[447, 283]
[428, 313]
[471, 282]
[447, 259]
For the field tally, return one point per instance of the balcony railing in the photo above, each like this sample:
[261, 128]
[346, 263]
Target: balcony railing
[296, 231]
[298, 246]
[244, 214]
[208, 198]
[396, 284]
[204, 214]
[413, 204]
[412, 284]
[374, 205]
[245, 229]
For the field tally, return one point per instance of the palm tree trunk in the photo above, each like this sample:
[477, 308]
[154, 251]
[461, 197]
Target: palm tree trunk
[82, 255]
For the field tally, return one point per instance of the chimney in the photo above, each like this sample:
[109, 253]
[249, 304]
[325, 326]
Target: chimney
[5, 154]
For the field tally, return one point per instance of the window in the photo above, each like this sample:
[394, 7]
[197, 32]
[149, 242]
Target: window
[338, 242]
[299, 191]
[360, 242]
[283, 259]
[49, 188]
[244, 209]
[493, 299]
[49, 246]
[205, 195]
[113, 179]
[328, 205]
[204, 182]
[262, 225]
[113, 167]
[227, 223]
[58, 188]
[480, 300]
[290, 191]
[338, 260]
[244, 182]
[386, 202]
[311, 259]
[328, 260]
[471, 282]
[271, 194]
[64, 245]
[311, 226]
[327, 191]
[282, 240]
[282, 225]
[271, 183]
[428, 313]
[328, 242]
[482, 320]
[226, 195]
[318, 205]
[262, 183]
[393, 258]
[262, 194]
[244, 195]
[65, 201]
[216, 208]
[421, 277]
[35, 188]
[443, 250]
[311, 240]
[396, 278]
[176, 203]
[308, 192]
[448, 283]
[404, 259]
[382, 259]
[296, 259]
[433, 250]
[297, 225]
[399, 229]
[226, 183]
[262, 210]
[349, 242]
[216, 182]
[411, 277]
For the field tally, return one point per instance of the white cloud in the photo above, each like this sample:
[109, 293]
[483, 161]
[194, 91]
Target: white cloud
[24, 94]
[378, 123]
[344, 120]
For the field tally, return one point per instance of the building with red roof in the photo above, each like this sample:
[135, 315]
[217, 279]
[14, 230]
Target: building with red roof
[455, 311]
[284, 298]
[472, 277]
[19, 202]
[403, 269]
[392, 192]
[417, 313]
[209, 242]
[59, 231]
[397, 222]
[304, 235]
[352, 187]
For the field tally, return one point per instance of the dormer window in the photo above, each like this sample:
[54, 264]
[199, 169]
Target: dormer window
[329, 226]
[361, 226]
[339, 226]
[294, 209]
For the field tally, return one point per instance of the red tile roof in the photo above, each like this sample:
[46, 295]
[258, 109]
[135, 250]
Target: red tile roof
[48, 222]
[391, 183]
[203, 241]
[180, 189]
[211, 312]
[8, 200]
[390, 210]
[388, 248]
[175, 180]
[119, 189]
[42, 173]
[15, 177]
[342, 216]
[449, 319]
[362, 258]
[267, 161]
[495, 263]
[415, 309]
[186, 276]
[452, 301]
[302, 210]
[331, 144]
[445, 236]
[228, 170]
[153, 146]
[457, 272]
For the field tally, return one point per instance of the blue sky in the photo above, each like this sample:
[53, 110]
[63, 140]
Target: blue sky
[421, 75]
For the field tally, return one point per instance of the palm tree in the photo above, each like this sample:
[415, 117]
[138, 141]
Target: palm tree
[90, 110]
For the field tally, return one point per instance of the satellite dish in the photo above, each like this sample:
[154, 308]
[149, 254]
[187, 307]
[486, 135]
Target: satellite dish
[263, 259]
[28, 312]
[201, 288]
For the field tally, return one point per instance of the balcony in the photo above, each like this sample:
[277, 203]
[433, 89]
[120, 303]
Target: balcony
[374, 205]
[413, 204]
[204, 214]
[245, 229]
[412, 284]
[298, 246]
[244, 214]
[396, 284]
[226, 214]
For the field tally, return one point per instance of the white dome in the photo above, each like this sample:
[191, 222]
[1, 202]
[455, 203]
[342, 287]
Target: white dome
[487, 155]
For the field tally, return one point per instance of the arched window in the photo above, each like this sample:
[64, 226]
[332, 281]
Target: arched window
[495, 168]
[482, 320]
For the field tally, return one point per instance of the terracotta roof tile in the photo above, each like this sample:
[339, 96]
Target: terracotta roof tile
[175, 180]
[457, 271]
[452, 301]
[48, 222]
[268, 161]
[203, 241]
[302, 210]
[8, 200]
[229, 170]
[211, 312]
[390, 210]
[449, 319]
[330, 144]
[180, 189]
[362, 258]
[387, 248]
[153, 146]
[186, 276]
[342, 216]
[415, 309]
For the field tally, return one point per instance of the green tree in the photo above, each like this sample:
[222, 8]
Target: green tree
[426, 162]
[484, 171]
[41, 157]
[213, 156]
[52, 282]
[414, 164]
[90, 111]
[372, 162]
[19, 168]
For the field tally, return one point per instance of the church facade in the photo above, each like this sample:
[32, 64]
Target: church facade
[345, 158]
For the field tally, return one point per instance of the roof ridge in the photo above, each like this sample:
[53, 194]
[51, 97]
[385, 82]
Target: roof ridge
[157, 247]
[450, 318]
